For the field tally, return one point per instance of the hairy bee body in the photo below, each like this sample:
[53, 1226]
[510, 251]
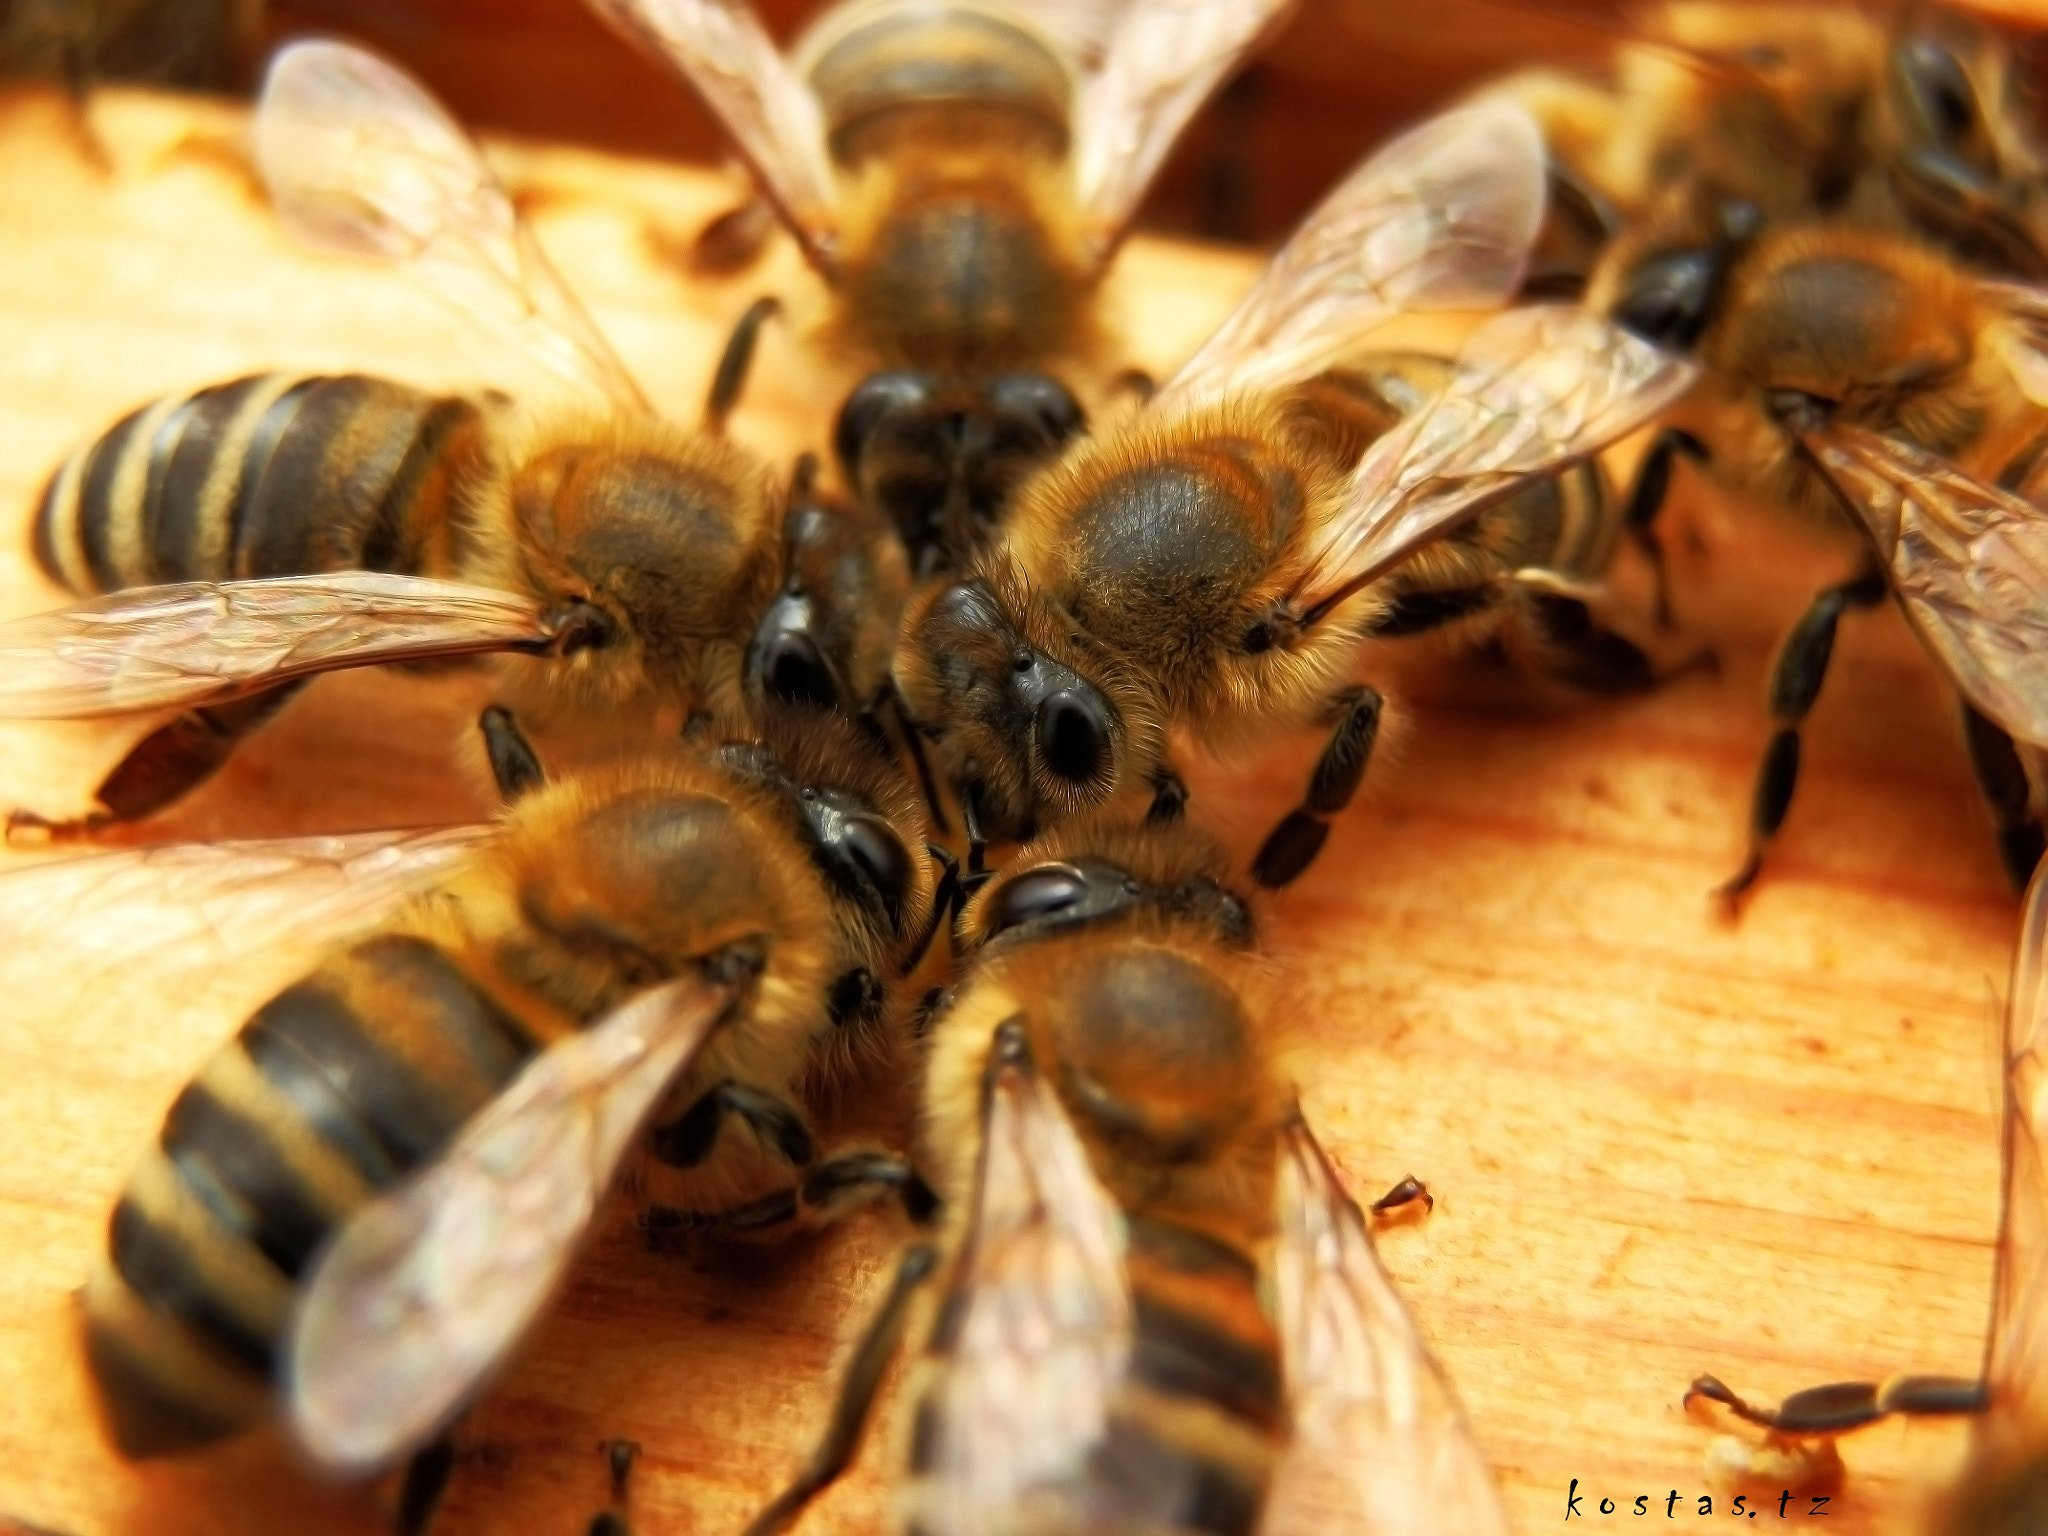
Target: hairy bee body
[597, 887]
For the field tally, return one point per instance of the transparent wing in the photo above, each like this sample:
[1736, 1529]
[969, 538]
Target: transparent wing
[1534, 389]
[360, 159]
[1968, 561]
[1442, 218]
[1082, 28]
[723, 52]
[1161, 60]
[198, 643]
[2016, 1358]
[1043, 1311]
[1380, 1445]
[2026, 339]
[426, 1290]
[79, 936]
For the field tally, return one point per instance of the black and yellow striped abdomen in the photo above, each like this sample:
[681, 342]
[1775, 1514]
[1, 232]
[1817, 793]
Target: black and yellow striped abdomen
[272, 475]
[330, 1092]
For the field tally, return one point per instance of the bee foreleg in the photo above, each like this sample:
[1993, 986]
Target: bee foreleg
[1796, 677]
[1292, 846]
[426, 1479]
[1646, 497]
[735, 362]
[687, 1140]
[1169, 798]
[858, 1384]
[2003, 779]
[514, 764]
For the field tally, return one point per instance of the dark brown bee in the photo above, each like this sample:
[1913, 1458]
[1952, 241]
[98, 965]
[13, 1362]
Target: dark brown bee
[1156, 1309]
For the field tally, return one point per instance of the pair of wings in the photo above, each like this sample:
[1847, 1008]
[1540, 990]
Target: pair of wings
[1141, 69]
[417, 1299]
[1043, 1331]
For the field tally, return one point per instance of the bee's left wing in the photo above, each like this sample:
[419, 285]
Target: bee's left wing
[1534, 390]
[426, 1290]
[1968, 561]
[360, 159]
[1380, 1445]
[2016, 1355]
[1041, 1314]
[1160, 59]
[1441, 218]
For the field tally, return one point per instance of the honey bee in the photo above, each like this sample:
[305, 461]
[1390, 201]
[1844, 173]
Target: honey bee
[1914, 122]
[959, 174]
[2003, 1489]
[1211, 566]
[1156, 1308]
[364, 1198]
[1867, 382]
[259, 531]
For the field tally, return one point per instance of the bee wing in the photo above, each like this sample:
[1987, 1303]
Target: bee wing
[427, 1289]
[1042, 1316]
[725, 55]
[1380, 1444]
[2016, 1355]
[1534, 389]
[77, 935]
[1969, 563]
[360, 159]
[2026, 342]
[1160, 61]
[1442, 218]
[198, 643]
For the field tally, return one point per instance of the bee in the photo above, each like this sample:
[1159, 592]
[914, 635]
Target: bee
[1211, 566]
[259, 531]
[1155, 1307]
[1916, 122]
[960, 175]
[680, 953]
[1868, 383]
[2003, 1488]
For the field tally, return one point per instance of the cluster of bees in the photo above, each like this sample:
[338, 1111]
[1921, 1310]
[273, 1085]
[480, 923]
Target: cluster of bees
[757, 734]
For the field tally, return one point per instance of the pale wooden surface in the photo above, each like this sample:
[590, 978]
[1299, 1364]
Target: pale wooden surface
[1661, 1144]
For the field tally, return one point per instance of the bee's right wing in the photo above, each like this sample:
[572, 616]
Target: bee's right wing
[198, 643]
[1442, 218]
[360, 159]
[726, 56]
[1042, 1321]
[1380, 1445]
[2016, 1355]
[426, 1290]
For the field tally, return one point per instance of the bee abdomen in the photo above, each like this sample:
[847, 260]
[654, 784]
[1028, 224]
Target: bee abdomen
[331, 1092]
[271, 475]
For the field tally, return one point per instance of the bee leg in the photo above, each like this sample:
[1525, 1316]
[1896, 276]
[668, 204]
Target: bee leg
[165, 766]
[735, 238]
[1646, 498]
[893, 700]
[1796, 676]
[2002, 777]
[858, 1385]
[687, 1140]
[852, 1179]
[1292, 846]
[514, 764]
[1584, 653]
[970, 820]
[1845, 1405]
[426, 1479]
[1169, 799]
[730, 377]
[619, 1458]
[945, 897]
[1403, 1196]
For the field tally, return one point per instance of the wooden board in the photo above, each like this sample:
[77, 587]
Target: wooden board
[1661, 1143]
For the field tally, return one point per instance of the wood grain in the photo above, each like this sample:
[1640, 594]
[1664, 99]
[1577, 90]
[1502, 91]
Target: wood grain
[1661, 1143]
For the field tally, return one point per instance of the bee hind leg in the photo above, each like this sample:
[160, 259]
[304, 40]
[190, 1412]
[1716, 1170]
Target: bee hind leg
[1647, 494]
[1292, 846]
[2002, 776]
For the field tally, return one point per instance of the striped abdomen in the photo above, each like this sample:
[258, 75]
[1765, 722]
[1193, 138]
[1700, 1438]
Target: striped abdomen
[331, 1092]
[272, 475]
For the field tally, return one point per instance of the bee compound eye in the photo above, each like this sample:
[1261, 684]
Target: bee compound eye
[1939, 88]
[882, 859]
[792, 668]
[1041, 892]
[876, 398]
[1667, 298]
[1073, 735]
[1045, 403]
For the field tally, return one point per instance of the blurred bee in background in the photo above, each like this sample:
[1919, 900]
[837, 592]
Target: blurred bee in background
[1157, 1309]
[365, 1197]
[1870, 383]
[202, 44]
[1211, 567]
[959, 174]
[277, 526]
[2003, 1489]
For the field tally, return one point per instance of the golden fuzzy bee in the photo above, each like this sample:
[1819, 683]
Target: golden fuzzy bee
[366, 1195]
[959, 174]
[2003, 1487]
[1212, 567]
[1868, 382]
[276, 526]
[1156, 1308]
